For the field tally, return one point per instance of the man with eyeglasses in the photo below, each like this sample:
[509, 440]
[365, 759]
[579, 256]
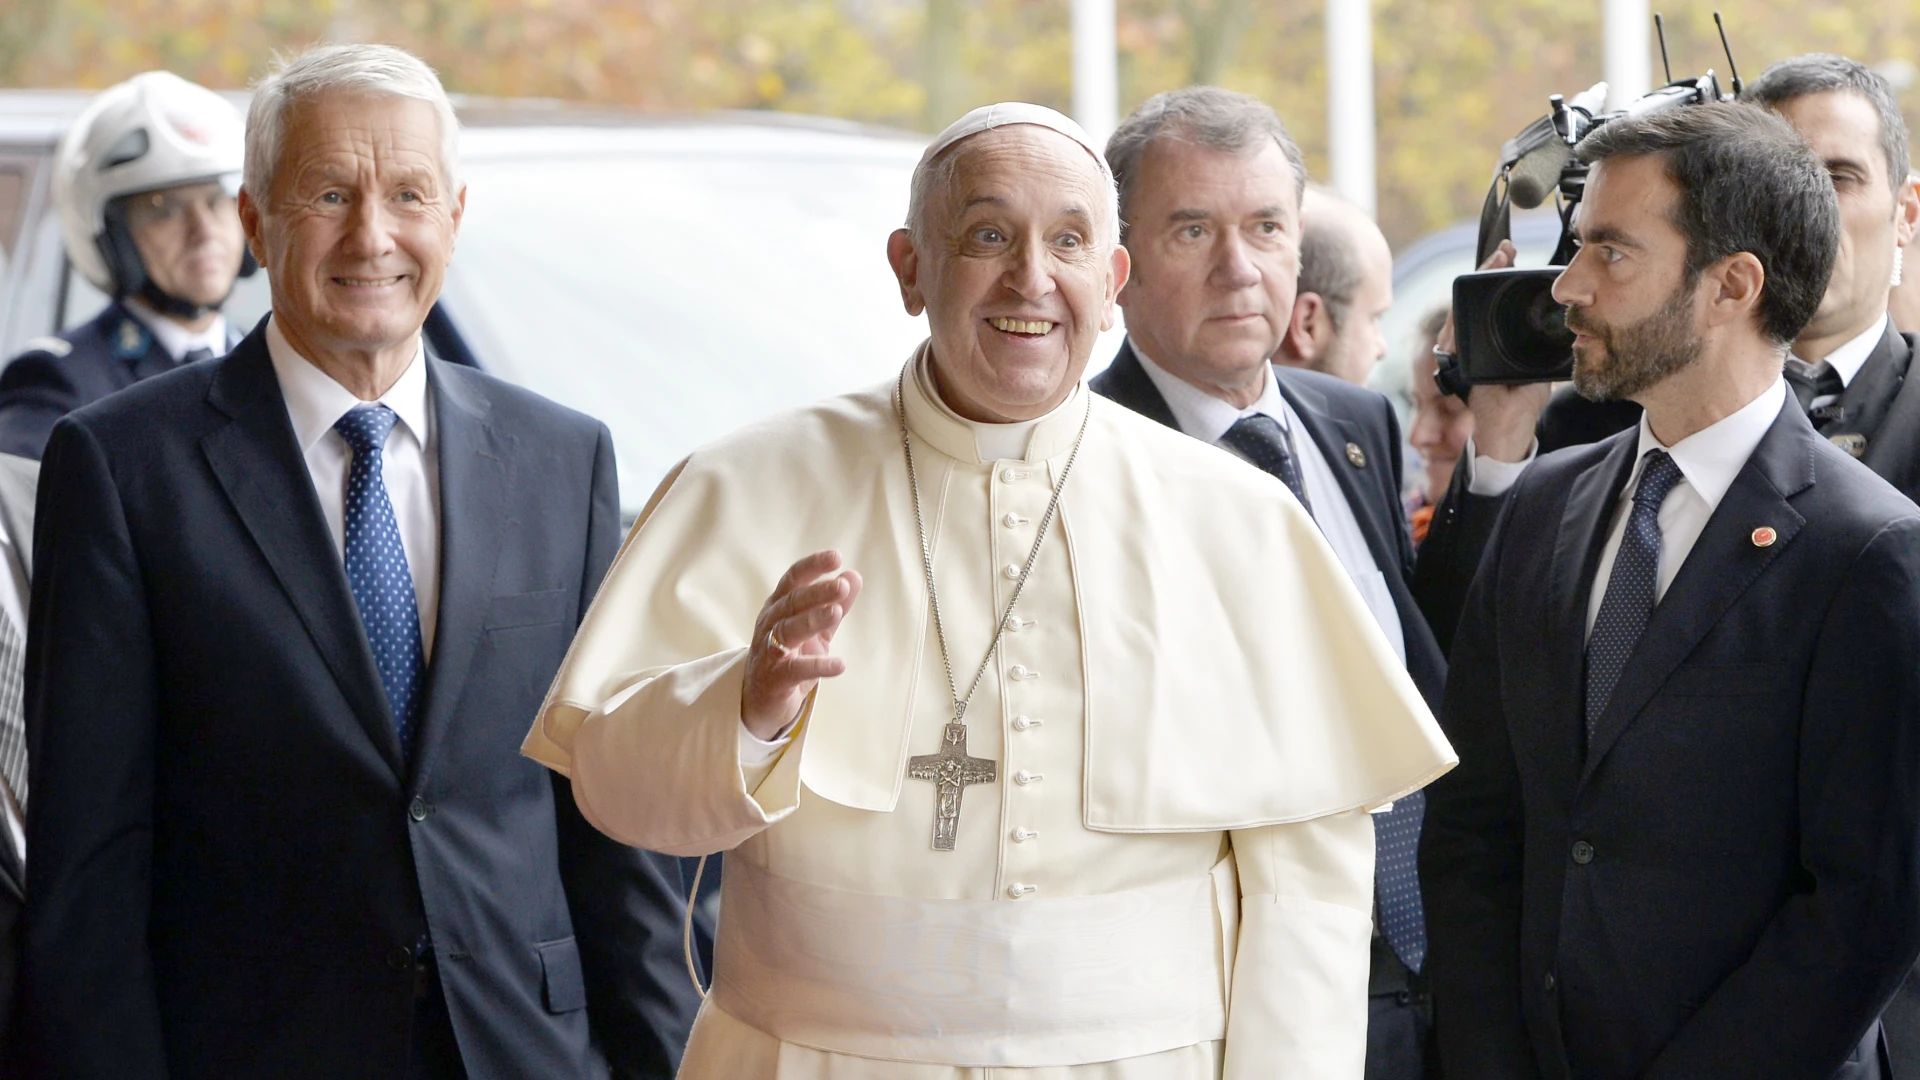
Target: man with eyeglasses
[144, 183]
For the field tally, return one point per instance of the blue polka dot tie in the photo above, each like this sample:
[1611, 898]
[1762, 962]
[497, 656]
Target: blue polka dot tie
[1630, 588]
[1396, 879]
[1261, 440]
[377, 567]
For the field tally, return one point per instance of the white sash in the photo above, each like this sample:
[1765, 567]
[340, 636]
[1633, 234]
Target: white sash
[1019, 983]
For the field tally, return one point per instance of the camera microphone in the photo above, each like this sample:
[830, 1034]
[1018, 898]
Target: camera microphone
[1535, 176]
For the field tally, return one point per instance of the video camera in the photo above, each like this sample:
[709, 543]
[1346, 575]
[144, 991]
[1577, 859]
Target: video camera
[1508, 328]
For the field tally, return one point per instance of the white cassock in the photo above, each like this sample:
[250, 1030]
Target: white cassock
[1171, 877]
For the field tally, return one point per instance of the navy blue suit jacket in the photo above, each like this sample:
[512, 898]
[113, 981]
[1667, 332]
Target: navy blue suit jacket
[1724, 882]
[232, 866]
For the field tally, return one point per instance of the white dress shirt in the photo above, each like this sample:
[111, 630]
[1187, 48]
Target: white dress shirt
[1709, 460]
[411, 461]
[1848, 359]
[13, 601]
[1208, 418]
[177, 339]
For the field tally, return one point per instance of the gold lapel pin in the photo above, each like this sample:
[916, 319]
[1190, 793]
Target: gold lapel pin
[1764, 536]
[1356, 455]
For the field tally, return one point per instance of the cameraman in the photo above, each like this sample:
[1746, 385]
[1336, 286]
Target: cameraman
[1848, 367]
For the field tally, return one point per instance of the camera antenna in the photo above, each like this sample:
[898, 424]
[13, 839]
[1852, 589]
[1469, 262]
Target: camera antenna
[1660, 31]
[1728, 49]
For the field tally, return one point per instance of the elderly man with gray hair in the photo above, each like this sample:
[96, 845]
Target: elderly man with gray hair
[293, 609]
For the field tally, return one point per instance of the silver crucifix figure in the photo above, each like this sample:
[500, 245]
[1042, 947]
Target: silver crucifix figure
[951, 770]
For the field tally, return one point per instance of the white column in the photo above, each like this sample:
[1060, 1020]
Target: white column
[1629, 38]
[1096, 68]
[1350, 127]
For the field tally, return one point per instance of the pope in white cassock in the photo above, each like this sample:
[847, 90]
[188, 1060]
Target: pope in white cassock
[1021, 773]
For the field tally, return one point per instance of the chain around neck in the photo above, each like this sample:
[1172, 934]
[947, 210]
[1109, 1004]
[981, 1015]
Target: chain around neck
[960, 703]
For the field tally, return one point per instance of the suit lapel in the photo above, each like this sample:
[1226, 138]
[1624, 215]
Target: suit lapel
[258, 463]
[1724, 562]
[1127, 383]
[1332, 436]
[1584, 521]
[473, 492]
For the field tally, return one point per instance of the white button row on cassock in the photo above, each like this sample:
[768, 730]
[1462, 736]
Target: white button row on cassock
[1020, 889]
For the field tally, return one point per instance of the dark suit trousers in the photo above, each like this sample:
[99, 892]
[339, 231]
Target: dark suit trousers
[1399, 1021]
[434, 1052]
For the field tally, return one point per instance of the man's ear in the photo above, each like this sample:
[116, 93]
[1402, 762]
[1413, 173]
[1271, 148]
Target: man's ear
[905, 260]
[1906, 214]
[250, 224]
[1736, 284]
[1121, 267]
[1310, 319]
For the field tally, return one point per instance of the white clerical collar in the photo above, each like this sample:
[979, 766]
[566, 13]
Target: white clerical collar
[1712, 457]
[1204, 416]
[1848, 359]
[954, 435]
[315, 402]
[177, 339]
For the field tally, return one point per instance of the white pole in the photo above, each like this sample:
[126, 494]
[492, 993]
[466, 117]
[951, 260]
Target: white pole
[1350, 121]
[1629, 36]
[1096, 68]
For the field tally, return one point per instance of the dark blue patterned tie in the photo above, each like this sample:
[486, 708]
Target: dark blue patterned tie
[377, 567]
[1396, 878]
[1261, 440]
[1629, 599]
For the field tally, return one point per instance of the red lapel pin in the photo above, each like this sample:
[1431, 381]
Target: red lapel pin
[1764, 536]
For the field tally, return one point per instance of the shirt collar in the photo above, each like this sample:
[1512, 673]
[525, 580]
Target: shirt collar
[315, 402]
[1204, 416]
[177, 339]
[1848, 359]
[1712, 457]
[957, 437]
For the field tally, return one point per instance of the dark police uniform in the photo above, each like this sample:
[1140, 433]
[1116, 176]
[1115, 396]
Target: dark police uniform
[57, 375]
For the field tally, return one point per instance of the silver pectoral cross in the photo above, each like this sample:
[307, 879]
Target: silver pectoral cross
[951, 770]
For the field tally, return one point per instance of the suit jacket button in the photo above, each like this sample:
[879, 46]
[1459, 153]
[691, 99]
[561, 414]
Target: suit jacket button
[418, 809]
[1582, 852]
[400, 959]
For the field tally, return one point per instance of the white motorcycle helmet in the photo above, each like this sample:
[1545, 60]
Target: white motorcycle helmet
[154, 131]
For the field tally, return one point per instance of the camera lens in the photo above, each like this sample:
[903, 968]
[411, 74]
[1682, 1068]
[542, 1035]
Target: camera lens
[1532, 326]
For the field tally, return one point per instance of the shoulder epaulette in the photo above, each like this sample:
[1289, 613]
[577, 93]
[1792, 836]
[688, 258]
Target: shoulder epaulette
[52, 346]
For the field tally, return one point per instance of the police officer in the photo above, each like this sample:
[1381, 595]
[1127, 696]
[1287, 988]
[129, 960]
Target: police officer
[144, 184]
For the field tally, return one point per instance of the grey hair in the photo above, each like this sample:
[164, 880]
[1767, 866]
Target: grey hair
[930, 176]
[1220, 119]
[359, 69]
[1329, 266]
[1818, 73]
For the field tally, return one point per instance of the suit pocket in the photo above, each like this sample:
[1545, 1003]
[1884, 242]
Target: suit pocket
[530, 609]
[566, 987]
[1727, 680]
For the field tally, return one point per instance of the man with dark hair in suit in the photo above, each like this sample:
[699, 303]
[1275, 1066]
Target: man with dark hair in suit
[1210, 189]
[1684, 839]
[292, 612]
